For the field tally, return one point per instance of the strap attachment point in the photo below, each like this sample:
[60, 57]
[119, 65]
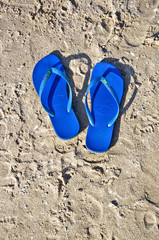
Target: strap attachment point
[104, 81]
[48, 73]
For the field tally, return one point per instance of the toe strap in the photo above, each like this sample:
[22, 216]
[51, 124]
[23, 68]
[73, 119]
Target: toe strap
[43, 84]
[112, 92]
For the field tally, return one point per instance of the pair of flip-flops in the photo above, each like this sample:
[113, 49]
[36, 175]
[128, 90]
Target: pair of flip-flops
[106, 90]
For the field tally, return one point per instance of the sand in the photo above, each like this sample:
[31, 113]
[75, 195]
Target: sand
[52, 189]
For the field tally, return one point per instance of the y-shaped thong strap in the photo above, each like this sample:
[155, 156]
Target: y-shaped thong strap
[42, 86]
[112, 92]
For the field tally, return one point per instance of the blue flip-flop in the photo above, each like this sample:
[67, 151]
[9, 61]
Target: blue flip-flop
[50, 82]
[106, 90]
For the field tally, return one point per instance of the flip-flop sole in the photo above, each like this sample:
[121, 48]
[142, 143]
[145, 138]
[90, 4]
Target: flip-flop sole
[99, 137]
[55, 98]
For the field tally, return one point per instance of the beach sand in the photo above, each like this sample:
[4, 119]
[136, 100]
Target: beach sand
[52, 189]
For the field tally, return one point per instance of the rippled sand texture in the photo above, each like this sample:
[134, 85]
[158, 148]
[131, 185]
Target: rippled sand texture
[57, 190]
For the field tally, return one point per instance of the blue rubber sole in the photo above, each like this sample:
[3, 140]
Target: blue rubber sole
[99, 137]
[55, 98]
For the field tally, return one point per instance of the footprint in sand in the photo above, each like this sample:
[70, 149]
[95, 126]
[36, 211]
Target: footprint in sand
[87, 207]
[141, 13]
[149, 220]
